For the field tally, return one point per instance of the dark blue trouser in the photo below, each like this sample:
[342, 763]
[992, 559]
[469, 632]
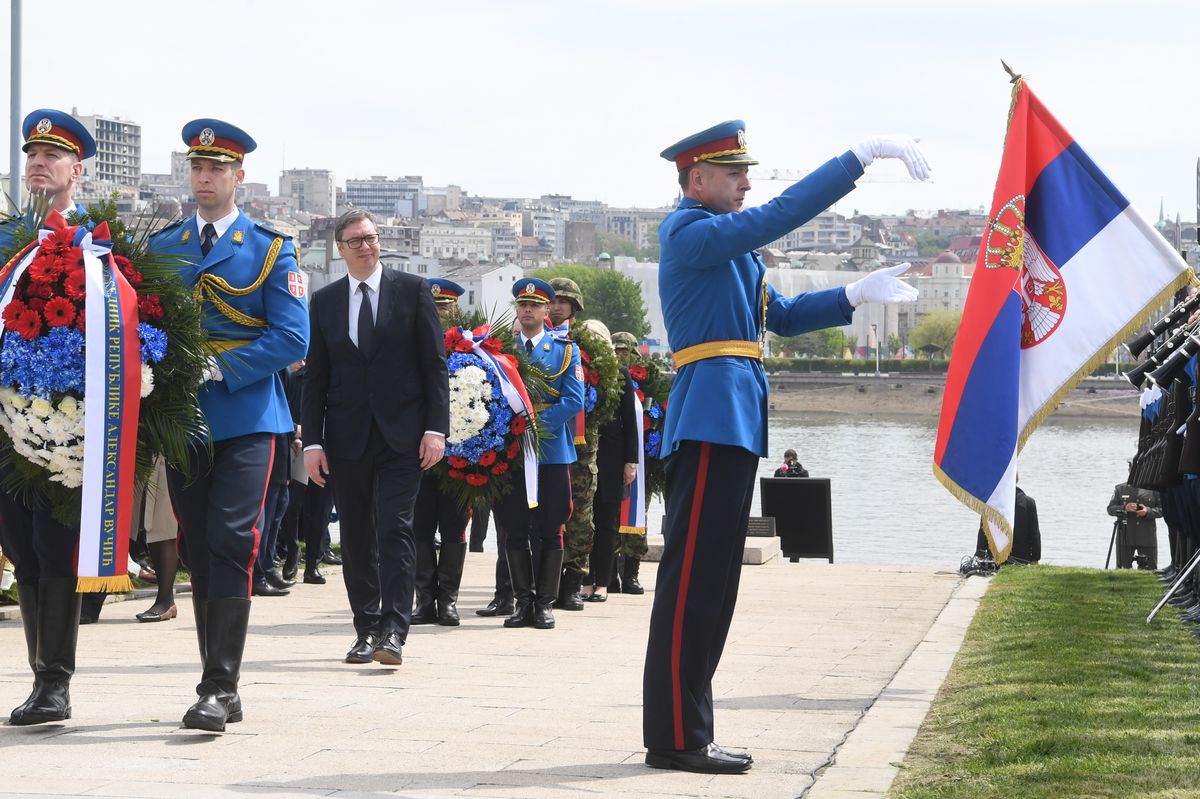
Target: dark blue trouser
[708, 493]
[220, 513]
[38, 546]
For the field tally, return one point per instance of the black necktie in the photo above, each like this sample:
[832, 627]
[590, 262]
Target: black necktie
[529, 346]
[366, 321]
[207, 237]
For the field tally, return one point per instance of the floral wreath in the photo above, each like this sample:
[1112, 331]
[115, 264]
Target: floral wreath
[652, 388]
[601, 377]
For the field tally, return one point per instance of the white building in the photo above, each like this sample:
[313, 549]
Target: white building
[312, 190]
[827, 231]
[487, 287]
[118, 160]
[549, 226]
[448, 241]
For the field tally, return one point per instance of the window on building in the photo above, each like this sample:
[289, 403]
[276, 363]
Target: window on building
[422, 268]
[471, 297]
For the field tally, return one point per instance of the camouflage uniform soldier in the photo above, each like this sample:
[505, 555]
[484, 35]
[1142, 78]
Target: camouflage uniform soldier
[632, 547]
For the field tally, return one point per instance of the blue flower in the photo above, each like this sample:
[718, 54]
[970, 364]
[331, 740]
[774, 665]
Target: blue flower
[655, 411]
[154, 343]
[48, 364]
[653, 442]
[589, 402]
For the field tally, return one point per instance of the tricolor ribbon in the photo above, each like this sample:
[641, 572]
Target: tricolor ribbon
[513, 389]
[633, 506]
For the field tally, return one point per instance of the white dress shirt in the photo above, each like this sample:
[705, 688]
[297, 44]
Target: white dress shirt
[221, 225]
[373, 280]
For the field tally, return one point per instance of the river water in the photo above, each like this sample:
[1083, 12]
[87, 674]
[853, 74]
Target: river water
[888, 508]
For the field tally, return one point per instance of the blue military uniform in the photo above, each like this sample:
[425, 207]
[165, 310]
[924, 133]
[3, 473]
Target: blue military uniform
[43, 550]
[557, 361]
[717, 308]
[256, 317]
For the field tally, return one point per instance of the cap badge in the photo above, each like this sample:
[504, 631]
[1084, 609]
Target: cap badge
[741, 139]
[436, 291]
[207, 136]
[44, 125]
[529, 289]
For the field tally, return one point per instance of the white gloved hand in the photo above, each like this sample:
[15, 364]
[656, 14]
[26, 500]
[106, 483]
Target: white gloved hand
[882, 286]
[212, 372]
[890, 146]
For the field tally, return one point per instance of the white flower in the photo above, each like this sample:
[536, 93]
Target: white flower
[147, 380]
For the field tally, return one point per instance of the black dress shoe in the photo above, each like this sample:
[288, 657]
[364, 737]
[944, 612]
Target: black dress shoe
[330, 559]
[735, 753]
[497, 608]
[363, 649]
[276, 580]
[313, 576]
[264, 588]
[709, 759]
[388, 650]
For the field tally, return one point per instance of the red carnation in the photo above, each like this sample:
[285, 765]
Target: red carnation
[12, 313]
[59, 312]
[477, 479]
[29, 324]
[455, 474]
[512, 450]
[593, 377]
[500, 468]
[45, 270]
[150, 307]
[638, 372]
[126, 267]
[458, 462]
[491, 344]
[518, 425]
[462, 345]
[583, 354]
[74, 285]
[487, 458]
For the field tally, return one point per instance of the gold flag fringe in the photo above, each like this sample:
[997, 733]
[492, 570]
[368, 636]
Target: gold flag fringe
[114, 585]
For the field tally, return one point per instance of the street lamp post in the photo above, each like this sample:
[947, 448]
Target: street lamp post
[14, 108]
[875, 335]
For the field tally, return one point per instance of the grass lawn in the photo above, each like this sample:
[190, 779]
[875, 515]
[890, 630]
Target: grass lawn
[1061, 690]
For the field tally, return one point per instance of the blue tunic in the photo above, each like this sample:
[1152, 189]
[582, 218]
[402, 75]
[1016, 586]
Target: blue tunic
[559, 359]
[711, 285]
[250, 398]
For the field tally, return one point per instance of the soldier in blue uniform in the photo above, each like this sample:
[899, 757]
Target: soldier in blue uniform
[439, 569]
[557, 362]
[41, 549]
[254, 312]
[717, 307]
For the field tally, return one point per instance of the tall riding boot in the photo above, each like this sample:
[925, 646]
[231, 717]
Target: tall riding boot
[629, 577]
[200, 607]
[570, 596]
[520, 569]
[425, 602]
[449, 576]
[549, 574]
[27, 599]
[54, 661]
[224, 643]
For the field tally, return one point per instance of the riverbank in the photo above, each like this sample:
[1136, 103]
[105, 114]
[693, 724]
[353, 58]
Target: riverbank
[908, 395]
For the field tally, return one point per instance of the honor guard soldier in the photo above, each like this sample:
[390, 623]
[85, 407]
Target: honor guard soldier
[717, 307]
[439, 569]
[254, 312]
[557, 362]
[41, 549]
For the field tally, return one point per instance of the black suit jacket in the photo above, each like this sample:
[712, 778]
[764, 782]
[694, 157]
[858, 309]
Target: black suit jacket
[618, 445]
[402, 384]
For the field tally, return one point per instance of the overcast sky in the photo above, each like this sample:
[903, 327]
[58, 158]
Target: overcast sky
[578, 97]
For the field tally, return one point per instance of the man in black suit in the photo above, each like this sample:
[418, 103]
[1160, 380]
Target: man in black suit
[376, 414]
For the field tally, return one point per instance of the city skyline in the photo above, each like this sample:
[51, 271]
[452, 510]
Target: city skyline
[534, 98]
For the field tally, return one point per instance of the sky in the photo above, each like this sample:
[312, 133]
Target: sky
[578, 97]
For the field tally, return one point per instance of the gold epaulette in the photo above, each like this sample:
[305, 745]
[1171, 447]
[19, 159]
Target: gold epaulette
[208, 286]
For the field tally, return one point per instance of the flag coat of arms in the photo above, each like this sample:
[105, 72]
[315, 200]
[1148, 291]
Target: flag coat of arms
[1066, 270]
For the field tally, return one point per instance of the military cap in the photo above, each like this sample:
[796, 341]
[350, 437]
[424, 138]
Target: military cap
[566, 287]
[530, 289]
[721, 144]
[48, 126]
[623, 340]
[217, 140]
[444, 291]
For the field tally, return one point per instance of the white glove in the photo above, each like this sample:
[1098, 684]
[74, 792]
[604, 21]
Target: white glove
[889, 146]
[882, 286]
[212, 372]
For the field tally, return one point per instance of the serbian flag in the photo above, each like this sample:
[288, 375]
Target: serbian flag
[1067, 269]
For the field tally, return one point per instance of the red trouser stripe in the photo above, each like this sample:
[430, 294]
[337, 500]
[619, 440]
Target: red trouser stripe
[262, 503]
[685, 577]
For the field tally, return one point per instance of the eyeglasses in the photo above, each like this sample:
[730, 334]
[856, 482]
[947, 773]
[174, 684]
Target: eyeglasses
[359, 241]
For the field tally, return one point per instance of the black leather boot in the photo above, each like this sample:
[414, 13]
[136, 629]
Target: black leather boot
[549, 575]
[27, 600]
[520, 569]
[629, 577]
[54, 660]
[200, 608]
[224, 642]
[425, 601]
[449, 575]
[614, 582]
[570, 596]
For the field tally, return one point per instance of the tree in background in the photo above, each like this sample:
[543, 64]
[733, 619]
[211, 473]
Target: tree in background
[938, 328]
[615, 245]
[894, 344]
[929, 244]
[609, 296]
[827, 343]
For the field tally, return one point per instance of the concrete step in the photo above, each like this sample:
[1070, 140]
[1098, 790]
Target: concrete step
[758, 550]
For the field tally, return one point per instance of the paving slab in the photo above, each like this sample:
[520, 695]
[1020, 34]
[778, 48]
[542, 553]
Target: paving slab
[826, 670]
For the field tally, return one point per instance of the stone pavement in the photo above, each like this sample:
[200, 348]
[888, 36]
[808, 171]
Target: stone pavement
[826, 677]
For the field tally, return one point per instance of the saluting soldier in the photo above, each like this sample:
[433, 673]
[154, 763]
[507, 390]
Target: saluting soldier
[439, 569]
[254, 312]
[717, 307]
[557, 362]
[41, 549]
